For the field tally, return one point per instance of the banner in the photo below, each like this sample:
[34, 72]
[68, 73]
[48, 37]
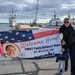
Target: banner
[31, 43]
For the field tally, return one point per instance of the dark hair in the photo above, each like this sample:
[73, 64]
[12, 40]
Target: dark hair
[63, 40]
[8, 46]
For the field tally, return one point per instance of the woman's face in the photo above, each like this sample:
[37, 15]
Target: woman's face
[11, 51]
[67, 23]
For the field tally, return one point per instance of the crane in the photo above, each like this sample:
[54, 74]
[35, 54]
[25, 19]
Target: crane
[35, 20]
[36, 11]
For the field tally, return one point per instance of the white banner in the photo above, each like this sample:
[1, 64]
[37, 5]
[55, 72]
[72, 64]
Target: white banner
[46, 43]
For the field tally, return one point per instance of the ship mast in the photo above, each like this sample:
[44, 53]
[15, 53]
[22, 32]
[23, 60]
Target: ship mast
[12, 11]
[69, 14]
[54, 14]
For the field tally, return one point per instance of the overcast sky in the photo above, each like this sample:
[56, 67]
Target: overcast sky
[25, 9]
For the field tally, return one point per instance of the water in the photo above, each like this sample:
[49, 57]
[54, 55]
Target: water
[5, 27]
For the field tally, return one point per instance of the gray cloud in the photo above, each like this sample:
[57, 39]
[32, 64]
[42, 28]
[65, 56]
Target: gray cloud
[25, 9]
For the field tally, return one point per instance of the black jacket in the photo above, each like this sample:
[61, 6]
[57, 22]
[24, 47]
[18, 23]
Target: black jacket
[68, 34]
[64, 55]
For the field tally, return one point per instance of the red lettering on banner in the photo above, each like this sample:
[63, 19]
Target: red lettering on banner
[48, 39]
[30, 43]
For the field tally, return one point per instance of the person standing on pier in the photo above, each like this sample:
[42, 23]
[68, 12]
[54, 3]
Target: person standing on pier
[62, 58]
[69, 35]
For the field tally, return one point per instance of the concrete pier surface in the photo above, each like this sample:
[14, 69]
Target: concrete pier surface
[48, 66]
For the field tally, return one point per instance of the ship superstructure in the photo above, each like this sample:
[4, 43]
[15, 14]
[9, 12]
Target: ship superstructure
[12, 19]
[55, 21]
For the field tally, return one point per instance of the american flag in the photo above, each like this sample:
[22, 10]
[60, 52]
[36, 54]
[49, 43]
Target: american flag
[16, 36]
[21, 36]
